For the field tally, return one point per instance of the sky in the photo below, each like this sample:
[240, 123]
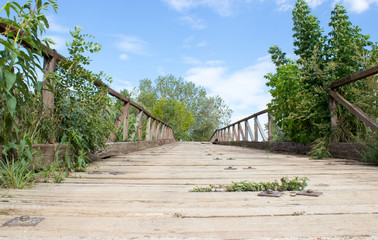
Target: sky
[221, 45]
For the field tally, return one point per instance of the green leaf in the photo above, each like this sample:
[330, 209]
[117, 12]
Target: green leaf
[10, 79]
[11, 103]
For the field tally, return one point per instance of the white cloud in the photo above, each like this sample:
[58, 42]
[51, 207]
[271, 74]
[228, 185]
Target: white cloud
[194, 22]
[243, 90]
[191, 60]
[314, 3]
[132, 44]
[202, 44]
[123, 56]
[284, 5]
[358, 6]
[190, 42]
[214, 62]
[222, 7]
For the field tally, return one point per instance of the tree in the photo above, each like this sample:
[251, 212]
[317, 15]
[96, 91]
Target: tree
[208, 112]
[175, 114]
[300, 88]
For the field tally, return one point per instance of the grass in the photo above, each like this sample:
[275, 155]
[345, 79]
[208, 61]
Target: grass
[285, 184]
[16, 174]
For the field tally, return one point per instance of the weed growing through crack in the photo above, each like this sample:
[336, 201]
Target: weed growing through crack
[285, 184]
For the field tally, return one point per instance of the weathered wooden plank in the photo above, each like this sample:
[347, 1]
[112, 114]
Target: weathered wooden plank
[153, 130]
[261, 129]
[118, 122]
[248, 127]
[158, 131]
[233, 133]
[136, 125]
[332, 109]
[148, 129]
[270, 128]
[356, 111]
[256, 130]
[355, 77]
[48, 84]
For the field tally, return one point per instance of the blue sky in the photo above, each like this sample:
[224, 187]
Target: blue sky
[221, 45]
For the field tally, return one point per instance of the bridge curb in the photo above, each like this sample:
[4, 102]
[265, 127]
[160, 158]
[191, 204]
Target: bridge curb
[338, 150]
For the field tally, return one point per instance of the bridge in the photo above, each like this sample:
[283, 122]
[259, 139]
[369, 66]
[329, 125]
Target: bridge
[145, 189]
[146, 195]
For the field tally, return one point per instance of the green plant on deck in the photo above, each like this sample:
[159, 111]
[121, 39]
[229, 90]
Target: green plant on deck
[82, 109]
[15, 173]
[285, 184]
[202, 189]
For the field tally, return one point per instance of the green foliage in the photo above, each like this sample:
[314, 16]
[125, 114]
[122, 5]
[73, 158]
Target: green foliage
[15, 173]
[285, 184]
[201, 189]
[18, 69]
[81, 107]
[190, 102]
[176, 115]
[300, 88]
[81, 116]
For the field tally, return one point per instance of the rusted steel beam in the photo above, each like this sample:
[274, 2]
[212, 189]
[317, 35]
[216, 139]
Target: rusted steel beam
[356, 111]
[355, 77]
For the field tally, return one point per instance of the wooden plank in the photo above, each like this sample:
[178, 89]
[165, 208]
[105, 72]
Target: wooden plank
[355, 110]
[238, 132]
[332, 109]
[246, 130]
[126, 120]
[157, 136]
[48, 84]
[140, 127]
[355, 77]
[136, 124]
[270, 128]
[261, 129]
[256, 130]
[148, 129]
[233, 133]
[118, 122]
[153, 130]
[249, 129]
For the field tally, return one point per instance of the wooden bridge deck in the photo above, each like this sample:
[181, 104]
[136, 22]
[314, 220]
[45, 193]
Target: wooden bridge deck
[145, 195]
